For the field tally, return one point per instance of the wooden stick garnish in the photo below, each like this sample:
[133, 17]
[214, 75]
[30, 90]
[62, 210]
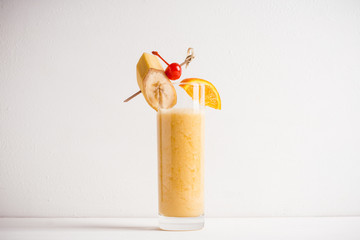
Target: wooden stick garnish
[132, 96]
[189, 57]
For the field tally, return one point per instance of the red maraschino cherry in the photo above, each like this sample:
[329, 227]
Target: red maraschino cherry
[173, 71]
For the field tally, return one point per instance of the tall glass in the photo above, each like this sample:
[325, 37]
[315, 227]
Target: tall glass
[181, 161]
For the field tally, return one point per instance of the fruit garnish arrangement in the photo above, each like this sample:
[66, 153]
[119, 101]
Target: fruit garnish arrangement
[156, 87]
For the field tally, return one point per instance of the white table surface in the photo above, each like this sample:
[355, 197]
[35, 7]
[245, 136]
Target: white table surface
[146, 228]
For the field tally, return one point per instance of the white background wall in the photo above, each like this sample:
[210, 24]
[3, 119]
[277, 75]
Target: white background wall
[286, 143]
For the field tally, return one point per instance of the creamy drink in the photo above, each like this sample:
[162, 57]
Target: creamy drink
[181, 162]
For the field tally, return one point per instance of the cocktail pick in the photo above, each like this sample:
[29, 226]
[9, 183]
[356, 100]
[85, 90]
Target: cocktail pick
[190, 56]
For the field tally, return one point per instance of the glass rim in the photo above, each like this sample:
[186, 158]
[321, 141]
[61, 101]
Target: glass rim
[174, 83]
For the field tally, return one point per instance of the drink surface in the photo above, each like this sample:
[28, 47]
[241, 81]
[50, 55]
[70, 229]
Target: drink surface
[181, 162]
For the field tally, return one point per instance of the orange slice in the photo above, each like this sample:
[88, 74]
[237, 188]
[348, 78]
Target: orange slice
[212, 97]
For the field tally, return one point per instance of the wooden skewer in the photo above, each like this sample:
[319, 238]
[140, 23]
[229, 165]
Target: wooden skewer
[132, 96]
[189, 57]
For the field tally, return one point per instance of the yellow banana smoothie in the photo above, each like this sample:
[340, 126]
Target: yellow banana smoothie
[181, 162]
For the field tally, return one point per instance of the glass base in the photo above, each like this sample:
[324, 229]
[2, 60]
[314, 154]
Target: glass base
[181, 223]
